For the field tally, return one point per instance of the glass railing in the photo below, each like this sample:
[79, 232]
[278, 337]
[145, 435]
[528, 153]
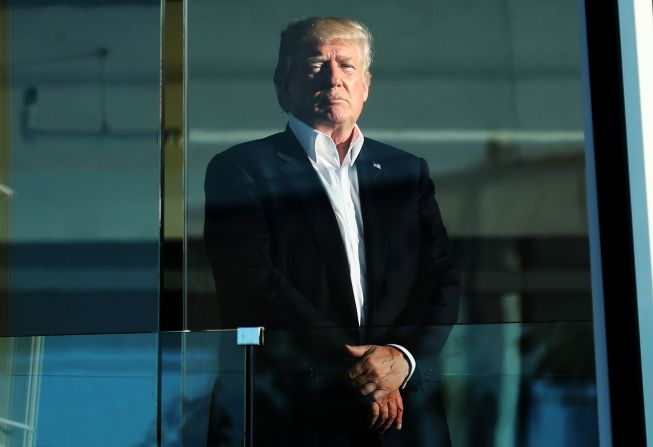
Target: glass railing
[509, 384]
[80, 390]
[136, 390]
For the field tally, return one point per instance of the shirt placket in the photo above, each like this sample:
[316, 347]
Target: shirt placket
[351, 230]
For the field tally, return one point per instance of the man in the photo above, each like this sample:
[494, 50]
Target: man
[320, 227]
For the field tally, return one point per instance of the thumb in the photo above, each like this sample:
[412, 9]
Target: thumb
[358, 351]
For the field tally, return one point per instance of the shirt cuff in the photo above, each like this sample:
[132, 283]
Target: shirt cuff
[411, 361]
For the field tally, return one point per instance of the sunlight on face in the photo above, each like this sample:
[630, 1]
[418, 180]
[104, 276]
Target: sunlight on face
[328, 85]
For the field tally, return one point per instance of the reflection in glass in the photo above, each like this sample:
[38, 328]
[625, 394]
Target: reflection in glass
[79, 390]
[213, 377]
[520, 384]
[492, 384]
[497, 384]
[20, 378]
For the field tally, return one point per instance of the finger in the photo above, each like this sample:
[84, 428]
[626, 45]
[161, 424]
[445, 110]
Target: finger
[358, 351]
[375, 411]
[363, 379]
[358, 373]
[368, 388]
[392, 415]
[357, 370]
[383, 416]
[379, 393]
[400, 416]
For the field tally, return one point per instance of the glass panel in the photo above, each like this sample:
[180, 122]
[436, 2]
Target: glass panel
[85, 152]
[490, 384]
[489, 95]
[98, 390]
[5, 194]
[213, 396]
[520, 384]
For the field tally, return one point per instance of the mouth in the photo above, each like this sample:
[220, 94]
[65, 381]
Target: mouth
[334, 99]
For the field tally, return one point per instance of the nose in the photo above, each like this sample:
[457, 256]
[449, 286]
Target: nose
[332, 74]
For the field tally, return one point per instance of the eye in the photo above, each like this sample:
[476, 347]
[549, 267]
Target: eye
[347, 67]
[314, 68]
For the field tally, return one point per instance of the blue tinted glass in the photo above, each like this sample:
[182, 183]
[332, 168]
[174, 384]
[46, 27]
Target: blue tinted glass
[98, 390]
[488, 384]
[213, 390]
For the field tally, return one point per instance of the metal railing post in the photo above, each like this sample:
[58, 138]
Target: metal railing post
[249, 337]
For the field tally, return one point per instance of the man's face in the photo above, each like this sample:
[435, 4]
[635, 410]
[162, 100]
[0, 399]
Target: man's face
[328, 85]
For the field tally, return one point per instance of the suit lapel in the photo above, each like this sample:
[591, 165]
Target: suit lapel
[371, 174]
[306, 186]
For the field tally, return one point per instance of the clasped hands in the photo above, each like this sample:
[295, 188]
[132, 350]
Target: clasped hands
[378, 373]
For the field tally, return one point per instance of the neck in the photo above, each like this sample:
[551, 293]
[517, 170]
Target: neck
[341, 135]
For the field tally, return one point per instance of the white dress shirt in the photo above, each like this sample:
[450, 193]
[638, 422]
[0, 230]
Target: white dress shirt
[340, 181]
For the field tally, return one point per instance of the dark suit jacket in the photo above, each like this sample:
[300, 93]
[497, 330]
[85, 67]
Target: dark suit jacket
[279, 261]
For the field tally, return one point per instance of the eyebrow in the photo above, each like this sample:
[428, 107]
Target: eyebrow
[315, 59]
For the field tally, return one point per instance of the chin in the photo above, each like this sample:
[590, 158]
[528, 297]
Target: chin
[337, 118]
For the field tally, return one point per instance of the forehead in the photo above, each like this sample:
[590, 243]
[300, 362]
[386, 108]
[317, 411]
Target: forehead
[342, 48]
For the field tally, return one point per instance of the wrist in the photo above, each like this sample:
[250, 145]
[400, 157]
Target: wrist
[410, 362]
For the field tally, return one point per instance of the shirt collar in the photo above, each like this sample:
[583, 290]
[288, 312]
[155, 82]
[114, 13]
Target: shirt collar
[320, 148]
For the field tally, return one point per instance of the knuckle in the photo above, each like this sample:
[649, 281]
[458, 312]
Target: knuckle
[367, 389]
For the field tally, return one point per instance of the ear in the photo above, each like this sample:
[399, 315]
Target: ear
[283, 95]
[367, 82]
